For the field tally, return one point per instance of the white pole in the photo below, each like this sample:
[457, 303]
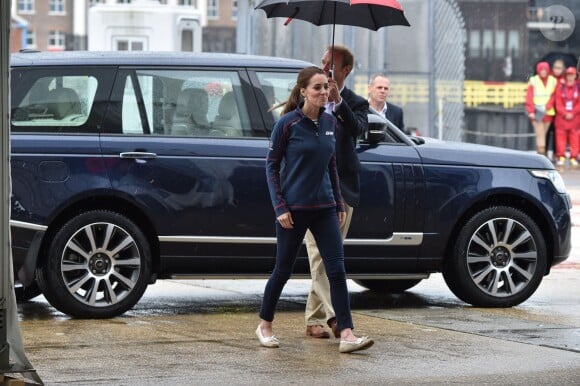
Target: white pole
[440, 119]
[5, 22]
[245, 27]
[12, 356]
[80, 13]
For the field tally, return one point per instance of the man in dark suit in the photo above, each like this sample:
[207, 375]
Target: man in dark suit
[351, 112]
[378, 93]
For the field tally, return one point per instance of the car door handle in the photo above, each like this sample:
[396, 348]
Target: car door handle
[137, 155]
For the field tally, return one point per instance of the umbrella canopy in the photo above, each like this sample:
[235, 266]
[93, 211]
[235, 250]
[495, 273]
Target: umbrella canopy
[370, 14]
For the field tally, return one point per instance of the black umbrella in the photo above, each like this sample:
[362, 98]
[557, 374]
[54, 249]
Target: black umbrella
[370, 14]
[569, 59]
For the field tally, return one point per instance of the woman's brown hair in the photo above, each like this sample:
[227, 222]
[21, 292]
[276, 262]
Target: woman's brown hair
[302, 81]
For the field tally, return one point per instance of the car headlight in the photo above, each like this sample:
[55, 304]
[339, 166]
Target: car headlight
[553, 176]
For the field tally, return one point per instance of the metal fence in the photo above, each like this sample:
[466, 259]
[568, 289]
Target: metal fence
[449, 64]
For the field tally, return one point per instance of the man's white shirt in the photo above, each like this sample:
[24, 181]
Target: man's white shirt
[383, 111]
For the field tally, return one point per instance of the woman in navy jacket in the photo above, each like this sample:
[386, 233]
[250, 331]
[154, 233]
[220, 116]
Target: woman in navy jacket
[305, 194]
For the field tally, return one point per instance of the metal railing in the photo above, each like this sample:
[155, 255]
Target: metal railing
[506, 94]
[406, 89]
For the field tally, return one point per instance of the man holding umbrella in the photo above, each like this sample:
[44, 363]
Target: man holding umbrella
[351, 112]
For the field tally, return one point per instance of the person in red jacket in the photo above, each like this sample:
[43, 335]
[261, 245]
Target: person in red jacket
[566, 100]
[540, 89]
[558, 68]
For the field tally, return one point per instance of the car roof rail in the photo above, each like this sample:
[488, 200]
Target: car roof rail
[28, 50]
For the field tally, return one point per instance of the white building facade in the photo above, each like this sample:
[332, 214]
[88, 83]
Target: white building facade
[144, 26]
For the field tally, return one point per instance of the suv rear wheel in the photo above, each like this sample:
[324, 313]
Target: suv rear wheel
[24, 294]
[499, 259]
[99, 265]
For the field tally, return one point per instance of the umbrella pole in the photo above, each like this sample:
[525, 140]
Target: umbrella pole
[332, 45]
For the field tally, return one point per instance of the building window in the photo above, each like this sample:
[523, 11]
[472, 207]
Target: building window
[234, 9]
[123, 1]
[25, 6]
[95, 2]
[56, 41]
[185, 2]
[212, 9]
[474, 44]
[30, 39]
[514, 43]
[56, 7]
[499, 44]
[487, 43]
[187, 40]
[129, 44]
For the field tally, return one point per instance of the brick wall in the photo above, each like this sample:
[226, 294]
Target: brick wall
[15, 39]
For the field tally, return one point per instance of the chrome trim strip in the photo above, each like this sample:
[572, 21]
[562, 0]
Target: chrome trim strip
[218, 240]
[397, 239]
[28, 225]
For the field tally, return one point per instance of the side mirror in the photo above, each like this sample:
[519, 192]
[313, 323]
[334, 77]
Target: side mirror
[377, 128]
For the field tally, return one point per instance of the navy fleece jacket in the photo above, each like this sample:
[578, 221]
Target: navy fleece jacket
[301, 164]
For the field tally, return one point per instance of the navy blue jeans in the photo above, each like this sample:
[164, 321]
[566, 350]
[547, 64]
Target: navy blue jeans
[326, 231]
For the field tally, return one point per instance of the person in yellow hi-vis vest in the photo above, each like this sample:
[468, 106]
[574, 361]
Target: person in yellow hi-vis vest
[540, 89]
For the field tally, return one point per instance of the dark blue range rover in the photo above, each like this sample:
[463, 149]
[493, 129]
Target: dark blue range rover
[132, 167]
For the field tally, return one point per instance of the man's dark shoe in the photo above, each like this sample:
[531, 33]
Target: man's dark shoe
[334, 327]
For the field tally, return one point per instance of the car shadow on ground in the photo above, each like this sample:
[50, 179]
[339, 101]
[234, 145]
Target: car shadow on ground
[39, 308]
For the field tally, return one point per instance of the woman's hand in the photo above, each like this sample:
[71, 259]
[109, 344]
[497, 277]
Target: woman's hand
[285, 220]
[341, 218]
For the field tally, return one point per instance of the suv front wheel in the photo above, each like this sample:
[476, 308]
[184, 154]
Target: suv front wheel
[499, 259]
[98, 266]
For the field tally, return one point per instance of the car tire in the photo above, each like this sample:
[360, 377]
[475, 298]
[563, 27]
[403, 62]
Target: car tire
[98, 266]
[387, 286]
[24, 294]
[498, 260]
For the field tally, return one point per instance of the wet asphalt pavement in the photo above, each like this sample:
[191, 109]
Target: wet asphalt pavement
[196, 332]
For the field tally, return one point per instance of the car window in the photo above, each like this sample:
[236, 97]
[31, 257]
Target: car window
[56, 104]
[184, 103]
[276, 88]
[132, 123]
